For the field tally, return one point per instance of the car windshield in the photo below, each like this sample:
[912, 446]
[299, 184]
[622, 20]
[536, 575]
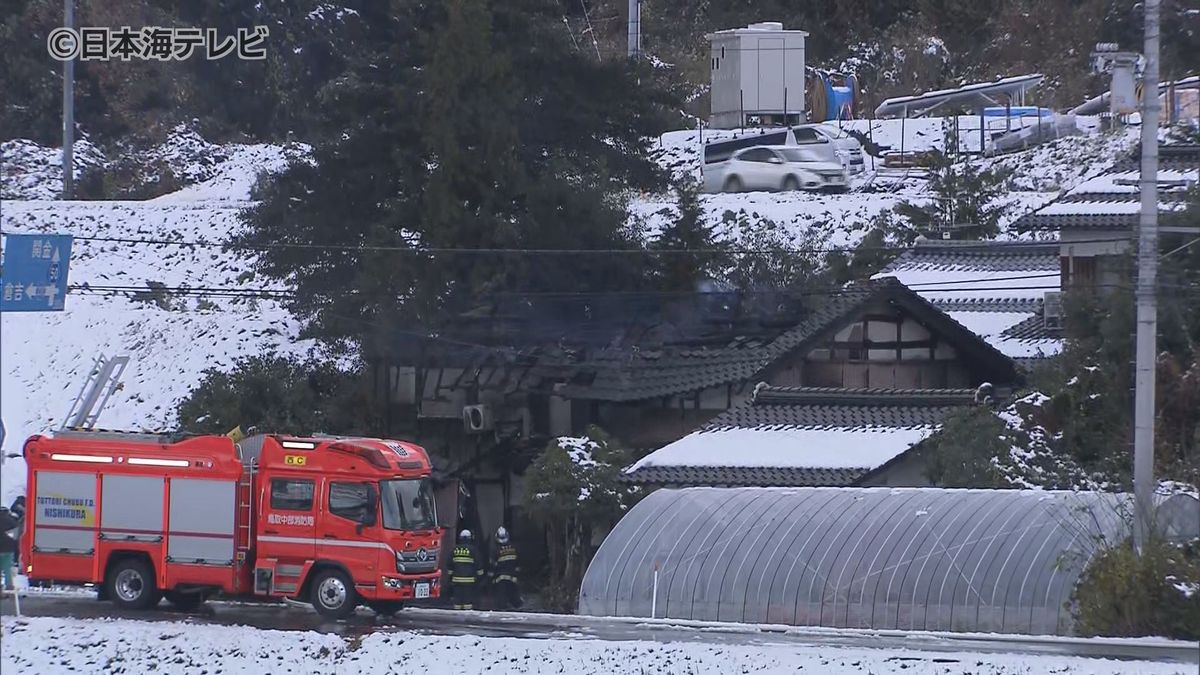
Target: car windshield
[408, 504]
[797, 155]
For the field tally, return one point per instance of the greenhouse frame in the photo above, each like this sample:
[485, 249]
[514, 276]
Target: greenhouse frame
[879, 558]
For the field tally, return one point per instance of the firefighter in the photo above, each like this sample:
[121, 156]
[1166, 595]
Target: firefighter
[464, 572]
[504, 571]
[8, 546]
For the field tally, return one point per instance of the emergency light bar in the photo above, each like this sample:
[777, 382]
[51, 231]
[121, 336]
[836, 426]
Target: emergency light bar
[95, 459]
[147, 461]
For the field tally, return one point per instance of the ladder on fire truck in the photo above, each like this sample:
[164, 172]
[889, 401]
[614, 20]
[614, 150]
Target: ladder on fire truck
[103, 381]
[245, 505]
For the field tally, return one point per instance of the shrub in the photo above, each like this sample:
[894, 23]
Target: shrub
[571, 487]
[1122, 594]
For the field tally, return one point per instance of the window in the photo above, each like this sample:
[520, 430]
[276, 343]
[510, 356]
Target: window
[806, 136]
[756, 155]
[349, 500]
[798, 155]
[1078, 272]
[408, 504]
[291, 494]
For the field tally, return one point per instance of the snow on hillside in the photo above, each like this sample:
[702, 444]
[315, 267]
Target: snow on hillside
[32, 171]
[1039, 175]
[45, 645]
[46, 356]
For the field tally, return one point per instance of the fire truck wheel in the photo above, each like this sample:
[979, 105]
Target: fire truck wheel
[333, 594]
[386, 608]
[131, 584]
[185, 602]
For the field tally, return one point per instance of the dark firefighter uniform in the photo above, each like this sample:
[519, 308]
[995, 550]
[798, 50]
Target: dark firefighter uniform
[504, 581]
[464, 575]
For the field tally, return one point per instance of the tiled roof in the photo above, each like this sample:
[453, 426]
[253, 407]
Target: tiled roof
[953, 271]
[1106, 202]
[802, 436]
[829, 407]
[1076, 221]
[1171, 157]
[989, 305]
[1033, 328]
[738, 476]
[992, 256]
[624, 375]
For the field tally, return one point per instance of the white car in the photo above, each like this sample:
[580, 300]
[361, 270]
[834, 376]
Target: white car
[776, 167]
[845, 147]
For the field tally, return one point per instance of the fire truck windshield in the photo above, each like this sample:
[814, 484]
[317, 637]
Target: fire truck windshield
[408, 504]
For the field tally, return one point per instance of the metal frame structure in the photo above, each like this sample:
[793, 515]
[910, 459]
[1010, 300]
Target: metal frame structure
[878, 558]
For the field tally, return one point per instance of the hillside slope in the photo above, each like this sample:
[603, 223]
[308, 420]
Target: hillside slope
[46, 357]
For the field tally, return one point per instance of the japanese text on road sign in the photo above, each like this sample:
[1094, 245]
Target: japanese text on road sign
[33, 277]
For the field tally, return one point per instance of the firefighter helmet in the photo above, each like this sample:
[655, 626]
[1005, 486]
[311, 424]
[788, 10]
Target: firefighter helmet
[465, 535]
[502, 535]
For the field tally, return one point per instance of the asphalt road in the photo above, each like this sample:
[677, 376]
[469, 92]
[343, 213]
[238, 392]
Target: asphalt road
[552, 627]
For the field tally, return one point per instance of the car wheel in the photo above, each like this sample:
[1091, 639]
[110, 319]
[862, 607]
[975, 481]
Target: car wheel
[131, 584]
[333, 594]
[791, 184]
[185, 602]
[733, 184]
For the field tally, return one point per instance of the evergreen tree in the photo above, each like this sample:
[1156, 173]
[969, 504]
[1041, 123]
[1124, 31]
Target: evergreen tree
[689, 232]
[491, 133]
[962, 195]
[271, 393]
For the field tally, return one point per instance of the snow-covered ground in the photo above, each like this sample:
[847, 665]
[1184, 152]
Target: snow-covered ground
[1038, 176]
[46, 356]
[51, 645]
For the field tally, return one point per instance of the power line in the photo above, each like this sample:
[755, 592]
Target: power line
[989, 246]
[949, 286]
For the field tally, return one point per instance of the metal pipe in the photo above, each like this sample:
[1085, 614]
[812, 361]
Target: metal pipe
[68, 110]
[634, 42]
[654, 599]
[1147, 307]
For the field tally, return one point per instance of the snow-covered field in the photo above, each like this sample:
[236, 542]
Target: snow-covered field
[49, 645]
[46, 356]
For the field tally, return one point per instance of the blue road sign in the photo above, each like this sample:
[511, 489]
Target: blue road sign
[33, 276]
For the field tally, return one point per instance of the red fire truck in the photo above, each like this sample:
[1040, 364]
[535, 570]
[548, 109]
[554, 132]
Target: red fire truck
[334, 522]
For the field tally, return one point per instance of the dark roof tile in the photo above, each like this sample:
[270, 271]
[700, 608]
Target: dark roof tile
[738, 476]
[993, 256]
[851, 408]
[990, 305]
[622, 375]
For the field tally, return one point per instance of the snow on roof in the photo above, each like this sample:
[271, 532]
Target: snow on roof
[824, 448]
[968, 284]
[1125, 182]
[969, 94]
[992, 327]
[1106, 207]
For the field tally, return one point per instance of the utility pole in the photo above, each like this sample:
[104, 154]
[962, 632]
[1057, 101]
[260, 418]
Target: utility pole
[68, 114]
[634, 49]
[1147, 308]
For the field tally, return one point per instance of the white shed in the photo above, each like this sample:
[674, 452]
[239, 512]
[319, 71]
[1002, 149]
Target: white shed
[757, 76]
